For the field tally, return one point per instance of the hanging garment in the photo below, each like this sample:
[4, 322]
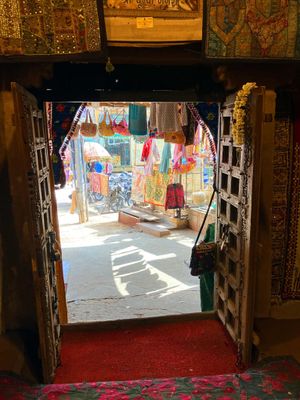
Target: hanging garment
[153, 156]
[165, 159]
[137, 119]
[165, 117]
[174, 196]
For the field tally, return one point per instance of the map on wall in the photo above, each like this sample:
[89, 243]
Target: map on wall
[153, 8]
[252, 29]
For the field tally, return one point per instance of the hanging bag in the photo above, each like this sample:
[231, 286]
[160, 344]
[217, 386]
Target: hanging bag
[88, 128]
[104, 128]
[203, 257]
[122, 126]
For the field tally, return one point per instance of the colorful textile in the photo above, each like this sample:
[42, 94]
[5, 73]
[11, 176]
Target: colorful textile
[137, 119]
[273, 378]
[252, 29]
[156, 188]
[36, 27]
[95, 182]
[138, 184]
[174, 196]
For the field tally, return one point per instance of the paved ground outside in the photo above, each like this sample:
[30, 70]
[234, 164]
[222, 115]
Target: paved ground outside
[114, 272]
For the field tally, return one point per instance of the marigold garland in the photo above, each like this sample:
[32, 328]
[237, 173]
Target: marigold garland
[239, 112]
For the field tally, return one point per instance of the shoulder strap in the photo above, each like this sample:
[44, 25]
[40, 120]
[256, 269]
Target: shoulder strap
[205, 217]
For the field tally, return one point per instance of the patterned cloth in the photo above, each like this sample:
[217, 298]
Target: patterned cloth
[38, 27]
[274, 378]
[174, 196]
[252, 29]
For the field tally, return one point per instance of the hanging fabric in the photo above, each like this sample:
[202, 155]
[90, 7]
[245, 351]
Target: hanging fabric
[165, 117]
[137, 119]
[165, 159]
[153, 157]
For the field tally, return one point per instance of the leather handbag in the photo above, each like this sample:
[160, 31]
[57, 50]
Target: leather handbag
[174, 137]
[106, 129]
[203, 257]
[88, 128]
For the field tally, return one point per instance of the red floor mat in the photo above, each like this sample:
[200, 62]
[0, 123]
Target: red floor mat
[158, 351]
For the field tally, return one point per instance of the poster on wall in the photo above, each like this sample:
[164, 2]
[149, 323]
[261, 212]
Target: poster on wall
[153, 8]
[252, 29]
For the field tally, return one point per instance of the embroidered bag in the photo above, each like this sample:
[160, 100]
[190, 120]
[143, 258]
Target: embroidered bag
[121, 127]
[174, 137]
[88, 128]
[104, 128]
[203, 257]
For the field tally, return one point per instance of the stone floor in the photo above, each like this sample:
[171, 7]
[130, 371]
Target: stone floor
[114, 272]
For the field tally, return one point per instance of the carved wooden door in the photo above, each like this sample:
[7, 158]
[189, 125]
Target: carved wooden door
[238, 186]
[29, 121]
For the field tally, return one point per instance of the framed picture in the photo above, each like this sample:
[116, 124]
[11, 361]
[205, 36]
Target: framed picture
[153, 8]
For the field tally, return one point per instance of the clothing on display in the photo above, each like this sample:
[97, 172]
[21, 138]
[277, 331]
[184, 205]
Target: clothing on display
[137, 119]
[174, 196]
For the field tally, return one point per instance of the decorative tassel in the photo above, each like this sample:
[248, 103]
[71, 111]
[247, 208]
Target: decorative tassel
[109, 67]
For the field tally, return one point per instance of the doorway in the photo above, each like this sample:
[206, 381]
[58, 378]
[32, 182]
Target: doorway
[124, 255]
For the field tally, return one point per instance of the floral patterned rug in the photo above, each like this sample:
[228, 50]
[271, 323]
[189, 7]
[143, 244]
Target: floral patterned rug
[274, 378]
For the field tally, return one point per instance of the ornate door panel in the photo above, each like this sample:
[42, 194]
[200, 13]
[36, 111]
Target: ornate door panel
[29, 122]
[237, 223]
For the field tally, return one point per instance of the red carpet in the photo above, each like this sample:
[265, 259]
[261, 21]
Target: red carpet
[158, 351]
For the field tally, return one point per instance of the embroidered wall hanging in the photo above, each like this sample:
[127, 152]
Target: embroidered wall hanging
[156, 187]
[252, 29]
[154, 8]
[39, 27]
[281, 184]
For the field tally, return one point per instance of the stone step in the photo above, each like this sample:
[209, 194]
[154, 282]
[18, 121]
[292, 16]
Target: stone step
[154, 229]
[141, 215]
